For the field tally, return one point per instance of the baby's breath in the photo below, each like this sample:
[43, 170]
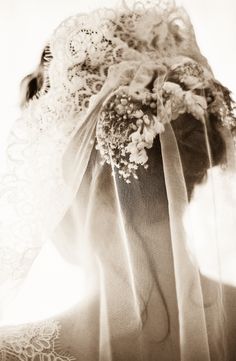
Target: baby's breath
[128, 124]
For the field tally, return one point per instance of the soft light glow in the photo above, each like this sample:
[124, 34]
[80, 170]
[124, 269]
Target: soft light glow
[52, 286]
[211, 233]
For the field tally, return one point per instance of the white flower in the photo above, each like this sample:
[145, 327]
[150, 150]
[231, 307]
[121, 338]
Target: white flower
[178, 107]
[138, 114]
[159, 127]
[172, 88]
[136, 136]
[131, 148]
[195, 104]
[149, 134]
[146, 119]
[142, 157]
[120, 109]
[175, 103]
[168, 110]
[139, 157]
[192, 82]
[141, 145]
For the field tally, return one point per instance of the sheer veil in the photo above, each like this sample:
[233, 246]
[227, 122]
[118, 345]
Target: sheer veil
[125, 160]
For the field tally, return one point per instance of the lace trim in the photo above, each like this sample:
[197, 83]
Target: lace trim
[32, 342]
[83, 50]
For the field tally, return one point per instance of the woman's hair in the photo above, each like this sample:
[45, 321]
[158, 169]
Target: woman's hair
[190, 132]
[192, 137]
[32, 83]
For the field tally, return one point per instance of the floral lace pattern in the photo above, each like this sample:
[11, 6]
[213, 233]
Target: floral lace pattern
[80, 57]
[32, 342]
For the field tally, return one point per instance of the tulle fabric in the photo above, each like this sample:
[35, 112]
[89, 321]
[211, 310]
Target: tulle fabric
[159, 251]
[158, 295]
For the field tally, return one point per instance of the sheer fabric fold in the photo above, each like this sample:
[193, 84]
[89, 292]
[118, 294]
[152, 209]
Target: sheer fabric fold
[157, 250]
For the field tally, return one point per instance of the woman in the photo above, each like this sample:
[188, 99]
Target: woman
[122, 126]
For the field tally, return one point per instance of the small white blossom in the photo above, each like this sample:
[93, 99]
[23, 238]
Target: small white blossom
[149, 134]
[139, 157]
[136, 136]
[159, 127]
[195, 104]
[146, 119]
[138, 114]
[172, 88]
[141, 145]
[131, 148]
[168, 109]
[192, 82]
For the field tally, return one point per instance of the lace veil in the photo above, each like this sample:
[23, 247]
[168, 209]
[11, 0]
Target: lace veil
[125, 159]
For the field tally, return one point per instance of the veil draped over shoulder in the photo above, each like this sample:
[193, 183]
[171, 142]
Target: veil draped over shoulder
[125, 160]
